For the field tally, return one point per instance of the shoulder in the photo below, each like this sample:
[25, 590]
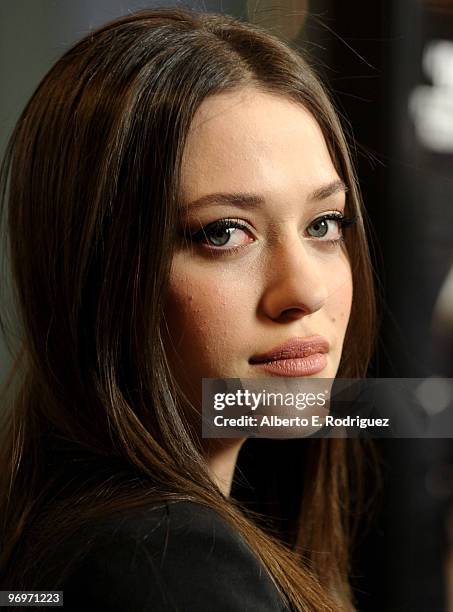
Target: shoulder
[174, 556]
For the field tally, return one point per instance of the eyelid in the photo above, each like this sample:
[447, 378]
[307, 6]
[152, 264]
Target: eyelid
[225, 221]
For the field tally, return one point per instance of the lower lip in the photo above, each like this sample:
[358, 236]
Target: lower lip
[302, 366]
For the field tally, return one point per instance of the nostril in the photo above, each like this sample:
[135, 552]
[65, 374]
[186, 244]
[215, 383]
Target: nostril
[291, 314]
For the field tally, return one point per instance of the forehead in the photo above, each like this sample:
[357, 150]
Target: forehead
[254, 140]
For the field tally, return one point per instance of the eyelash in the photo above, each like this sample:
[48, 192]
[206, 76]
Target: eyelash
[228, 223]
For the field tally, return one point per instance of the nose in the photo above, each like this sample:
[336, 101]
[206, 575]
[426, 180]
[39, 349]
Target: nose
[295, 283]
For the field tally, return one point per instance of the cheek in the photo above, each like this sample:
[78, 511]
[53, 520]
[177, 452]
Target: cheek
[203, 311]
[340, 295]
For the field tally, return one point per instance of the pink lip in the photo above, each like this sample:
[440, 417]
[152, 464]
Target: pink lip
[304, 366]
[295, 348]
[295, 357]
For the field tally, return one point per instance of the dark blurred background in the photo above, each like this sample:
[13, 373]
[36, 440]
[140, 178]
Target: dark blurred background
[389, 66]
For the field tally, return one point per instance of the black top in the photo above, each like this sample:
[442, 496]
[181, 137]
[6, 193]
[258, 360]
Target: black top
[177, 556]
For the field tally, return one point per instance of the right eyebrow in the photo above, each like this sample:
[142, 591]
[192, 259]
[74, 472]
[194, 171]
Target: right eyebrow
[243, 200]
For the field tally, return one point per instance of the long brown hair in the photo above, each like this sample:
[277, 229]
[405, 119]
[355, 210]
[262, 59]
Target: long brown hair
[90, 186]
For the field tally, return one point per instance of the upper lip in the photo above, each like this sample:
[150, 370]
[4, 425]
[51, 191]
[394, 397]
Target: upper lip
[293, 348]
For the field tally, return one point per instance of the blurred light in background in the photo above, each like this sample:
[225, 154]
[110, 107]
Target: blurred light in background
[431, 106]
[435, 394]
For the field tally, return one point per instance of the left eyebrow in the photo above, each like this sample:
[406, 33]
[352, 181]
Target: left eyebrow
[253, 201]
[326, 191]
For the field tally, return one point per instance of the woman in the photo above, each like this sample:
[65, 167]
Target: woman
[133, 282]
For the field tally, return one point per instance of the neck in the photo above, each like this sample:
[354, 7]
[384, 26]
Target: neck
[221, 456]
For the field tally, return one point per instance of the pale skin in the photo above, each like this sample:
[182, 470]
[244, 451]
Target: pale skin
[224, 306]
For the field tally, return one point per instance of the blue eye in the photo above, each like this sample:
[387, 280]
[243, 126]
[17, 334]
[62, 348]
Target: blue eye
[320, 227]
[220, 233]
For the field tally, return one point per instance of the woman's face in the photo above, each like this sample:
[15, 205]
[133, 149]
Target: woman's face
[238, 292]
